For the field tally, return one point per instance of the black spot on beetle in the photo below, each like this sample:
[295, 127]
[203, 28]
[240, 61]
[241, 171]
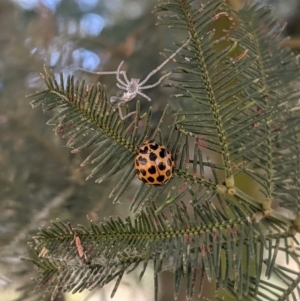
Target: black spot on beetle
[137, 171]
[152, 170]
[150, 179]
[154, 146]
[162, 153]
[161, 166]
[160, 178]
[137, 162]
[168, 173]
[169, 162]
[144, 150]
[142, 160]
[152, 157]
[143, 172]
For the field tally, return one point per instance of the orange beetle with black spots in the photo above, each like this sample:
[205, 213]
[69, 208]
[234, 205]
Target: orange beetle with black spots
[154, 163]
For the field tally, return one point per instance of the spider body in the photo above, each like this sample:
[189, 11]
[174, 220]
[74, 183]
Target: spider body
[132, 89]
[154, 164]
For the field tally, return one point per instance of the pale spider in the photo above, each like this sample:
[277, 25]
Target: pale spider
[134, 86]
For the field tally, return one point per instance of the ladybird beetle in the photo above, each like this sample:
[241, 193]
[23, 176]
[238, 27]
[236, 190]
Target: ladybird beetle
[154, 163]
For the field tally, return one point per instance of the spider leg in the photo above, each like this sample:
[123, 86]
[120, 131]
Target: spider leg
[163, 63]
[123, 72]
[125, 77]
[121, 87]
[100, 72]
[118, 73]
[157, 83]
[144, 95]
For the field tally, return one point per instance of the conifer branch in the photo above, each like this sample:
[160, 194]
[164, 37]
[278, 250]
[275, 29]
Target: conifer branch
[182, 243]
[241, 106]
[211, 85]
[277, 156]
